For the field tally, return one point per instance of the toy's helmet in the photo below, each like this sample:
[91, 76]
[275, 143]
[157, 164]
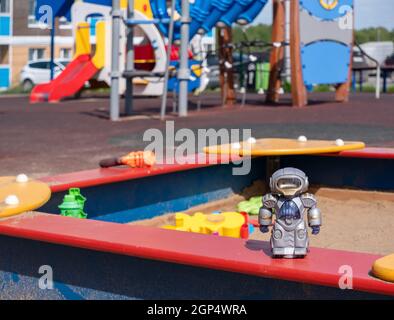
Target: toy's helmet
[289, 182]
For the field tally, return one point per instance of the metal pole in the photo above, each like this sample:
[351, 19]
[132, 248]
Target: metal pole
[361, 81]
[130, 59]
[53, 47]
[184, 72]
[115, 74]
[377, 94]
[167, 71]
[287, 40]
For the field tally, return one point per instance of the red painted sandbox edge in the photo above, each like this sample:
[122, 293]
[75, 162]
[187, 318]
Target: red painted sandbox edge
[95, 177]
[100, 176]
[320, 267]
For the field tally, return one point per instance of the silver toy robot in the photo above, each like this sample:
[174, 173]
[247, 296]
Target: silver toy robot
[288, 201]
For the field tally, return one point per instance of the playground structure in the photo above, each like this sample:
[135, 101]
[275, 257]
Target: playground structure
[91, 21]
[312, 43]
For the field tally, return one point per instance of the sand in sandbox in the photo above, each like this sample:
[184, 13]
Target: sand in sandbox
[353, 220]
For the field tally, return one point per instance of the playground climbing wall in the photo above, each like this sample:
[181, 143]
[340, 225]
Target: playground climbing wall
[326, 55]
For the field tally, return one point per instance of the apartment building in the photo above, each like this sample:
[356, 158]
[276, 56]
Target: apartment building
[23, 39]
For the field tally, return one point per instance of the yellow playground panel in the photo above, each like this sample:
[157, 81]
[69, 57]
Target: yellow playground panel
[279, 147]
[18, 195]
[227, 224]
[83, 44]
[142, 6]
[99, 56]
[82, 39]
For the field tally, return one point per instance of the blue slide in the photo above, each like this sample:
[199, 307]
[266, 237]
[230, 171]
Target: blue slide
[219, 7]
[206, 14]
[252, 12]
[159, 10]
[199, 13]
[233, 13]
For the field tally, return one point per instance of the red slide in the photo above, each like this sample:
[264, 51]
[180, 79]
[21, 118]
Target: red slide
[68, 83]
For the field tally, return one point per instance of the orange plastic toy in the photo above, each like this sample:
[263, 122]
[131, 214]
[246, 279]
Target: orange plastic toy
[138, 159]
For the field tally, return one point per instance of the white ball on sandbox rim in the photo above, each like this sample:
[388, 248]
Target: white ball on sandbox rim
[12, 200]
[252, 140]
[302, 139]
[22, 178]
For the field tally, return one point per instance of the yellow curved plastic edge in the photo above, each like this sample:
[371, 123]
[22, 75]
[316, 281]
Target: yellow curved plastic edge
[82, 39]
[140, 82]
[144, 60]
[142, 6]
[280, 147]
[99, 56]
[331, 5]
[383, 268]
[196, 68]
[32, 195]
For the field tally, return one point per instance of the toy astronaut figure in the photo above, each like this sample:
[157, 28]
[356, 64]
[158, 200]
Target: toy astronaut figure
[288, 201]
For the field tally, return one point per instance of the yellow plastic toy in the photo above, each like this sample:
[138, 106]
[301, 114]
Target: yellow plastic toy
[19, 194]
[229, 224]
[280, 147]
[383, 268]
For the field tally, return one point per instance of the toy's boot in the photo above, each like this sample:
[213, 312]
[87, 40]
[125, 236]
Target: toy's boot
[289, 239]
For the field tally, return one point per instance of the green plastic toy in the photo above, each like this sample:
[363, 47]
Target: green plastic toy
[262, 76]
[73, 204]
[251, 206]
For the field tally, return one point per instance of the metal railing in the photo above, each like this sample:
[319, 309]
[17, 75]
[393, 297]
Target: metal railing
[378, 70]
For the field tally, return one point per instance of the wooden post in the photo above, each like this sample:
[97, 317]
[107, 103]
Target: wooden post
[298, 89]
[343, 90]
[226, 75]
[277, 53]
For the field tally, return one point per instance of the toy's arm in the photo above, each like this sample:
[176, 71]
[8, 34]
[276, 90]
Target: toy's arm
[314, 215]
[265, 213]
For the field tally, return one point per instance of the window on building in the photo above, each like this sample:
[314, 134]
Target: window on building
[32, 12]
[36, 54]
[4, 6]
[65, 53]
[4, 55]
[64, 23]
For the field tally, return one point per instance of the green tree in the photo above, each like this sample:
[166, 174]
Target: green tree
[260, 32]
[374, 34]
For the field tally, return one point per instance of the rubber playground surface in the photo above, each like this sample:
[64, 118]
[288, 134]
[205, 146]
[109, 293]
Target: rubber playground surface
[47, 139]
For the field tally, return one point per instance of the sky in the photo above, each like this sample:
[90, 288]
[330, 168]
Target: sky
[369, 13]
